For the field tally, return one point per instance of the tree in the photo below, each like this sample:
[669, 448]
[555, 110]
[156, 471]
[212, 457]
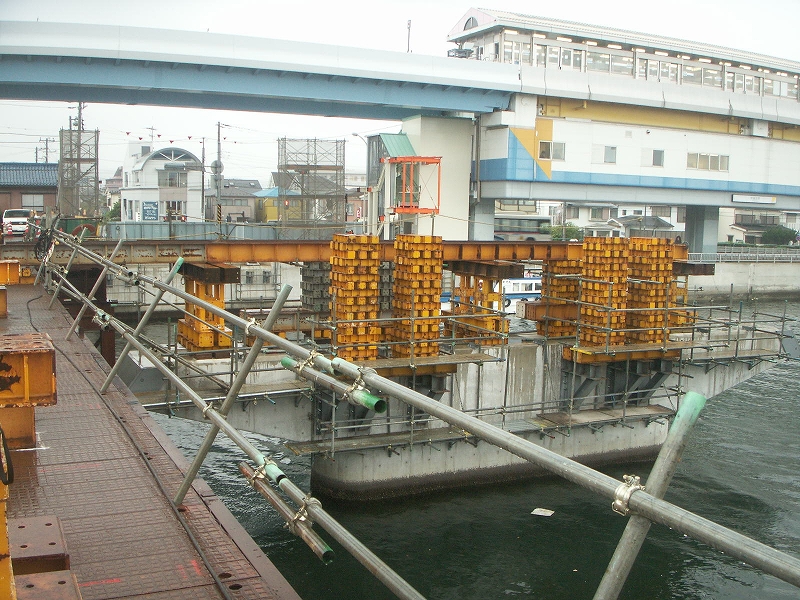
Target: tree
[778, 235]
[114, 213]
[567, 231]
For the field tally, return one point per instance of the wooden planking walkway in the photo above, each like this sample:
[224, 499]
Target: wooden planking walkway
[122, 534]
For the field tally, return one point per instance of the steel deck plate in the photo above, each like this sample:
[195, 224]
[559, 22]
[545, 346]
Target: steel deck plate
[108, 472]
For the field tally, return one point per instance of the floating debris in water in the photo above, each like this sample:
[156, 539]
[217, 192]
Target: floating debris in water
[542, 512]
[286, 460]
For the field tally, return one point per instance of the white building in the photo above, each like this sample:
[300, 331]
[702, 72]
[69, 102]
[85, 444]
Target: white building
[157, 183]
[618, 118]
[601, 219]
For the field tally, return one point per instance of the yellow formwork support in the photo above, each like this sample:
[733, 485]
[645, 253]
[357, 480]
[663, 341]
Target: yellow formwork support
[7, 587]
[194, 334]
[9, 272]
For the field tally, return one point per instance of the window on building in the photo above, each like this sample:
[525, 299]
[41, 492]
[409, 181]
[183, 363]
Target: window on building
[669, 71]
[171, 179]
[33, 202]
[707, 162]
[598, 214]
[791, 218]
[598, 61]
[553, 53]
[266, 276]
[658, 158]
[566, 58]
[540, 55]
[552, 150]
[681, 216]
[692, 74]
[508, 52]
[622, 65]
[573, 212]
[661, 211]
[637, 212]
[175, 208]
[248, 277]
[610, 155]
[730, 238]
[712, 77]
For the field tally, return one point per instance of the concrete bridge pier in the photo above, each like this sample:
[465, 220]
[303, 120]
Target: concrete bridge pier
[702, 225]
[450, 138]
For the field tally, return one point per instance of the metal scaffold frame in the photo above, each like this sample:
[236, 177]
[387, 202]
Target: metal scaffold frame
[78, 183]
[311, 196]
[362, 385]
[698, 329]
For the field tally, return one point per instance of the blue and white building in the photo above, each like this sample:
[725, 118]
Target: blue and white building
[608, 117]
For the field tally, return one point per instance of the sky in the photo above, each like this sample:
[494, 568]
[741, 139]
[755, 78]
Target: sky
[249, 145]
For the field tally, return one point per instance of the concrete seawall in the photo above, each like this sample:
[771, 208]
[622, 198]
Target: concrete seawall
[750, 280]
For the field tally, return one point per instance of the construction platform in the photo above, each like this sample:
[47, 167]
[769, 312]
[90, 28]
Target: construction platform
[104, 472]
[544, 424]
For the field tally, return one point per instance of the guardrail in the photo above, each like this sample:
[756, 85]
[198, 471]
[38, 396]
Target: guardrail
[760, 257]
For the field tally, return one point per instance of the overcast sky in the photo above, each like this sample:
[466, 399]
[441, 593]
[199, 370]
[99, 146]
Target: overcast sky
[250, 144]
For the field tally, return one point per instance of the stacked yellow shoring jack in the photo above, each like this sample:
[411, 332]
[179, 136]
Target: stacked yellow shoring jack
[557, 291]
[195, 335]
[650, 268]
[417, 294]
[605, 284]
[481, 299]
[355, 280]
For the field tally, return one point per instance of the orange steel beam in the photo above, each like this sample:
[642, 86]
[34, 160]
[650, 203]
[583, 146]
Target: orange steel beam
[310, 251]
[286, 251]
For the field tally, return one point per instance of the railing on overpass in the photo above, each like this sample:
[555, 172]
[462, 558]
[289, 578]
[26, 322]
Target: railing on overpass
[759, 255]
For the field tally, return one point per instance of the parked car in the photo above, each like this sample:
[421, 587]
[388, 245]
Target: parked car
[17, 222]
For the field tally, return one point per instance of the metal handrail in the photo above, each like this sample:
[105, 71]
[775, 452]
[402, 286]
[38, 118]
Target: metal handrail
[759, 257]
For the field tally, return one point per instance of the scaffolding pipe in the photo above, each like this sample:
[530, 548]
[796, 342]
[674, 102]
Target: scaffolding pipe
[657, 482]
[375, 565]
[67, 268]
[95, 287]
[298, 524]
[352, 393]
[141, 325]
[383, 572]
[233, 393]
[760, 555]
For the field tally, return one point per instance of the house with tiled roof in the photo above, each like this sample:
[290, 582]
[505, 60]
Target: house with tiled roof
[28, 185]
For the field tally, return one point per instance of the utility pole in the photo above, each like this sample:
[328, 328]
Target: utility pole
[46, 149]
[78, 165]
[203, 179]
[219, 178]
[408, 45]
